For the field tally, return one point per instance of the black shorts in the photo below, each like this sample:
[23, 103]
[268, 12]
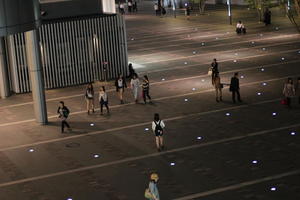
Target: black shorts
[157, 134]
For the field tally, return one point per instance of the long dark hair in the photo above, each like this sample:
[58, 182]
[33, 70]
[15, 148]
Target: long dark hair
[146, 78]
[156, 117]
[90, 88]
[103, 88]
[290, 79]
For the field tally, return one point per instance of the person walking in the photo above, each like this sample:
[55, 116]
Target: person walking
[135, 84]
[103, 100]
[122, 8]
[215, 70]
[218, 87]
[120, 84]
[158, 129]
[267, 17]
[135, 9]
[235, 87]
[188, 12]
[89, 97]
[288, 91]
[146, 88]
[63, 114]
[297, 89]
[152, 188]
[131, 70]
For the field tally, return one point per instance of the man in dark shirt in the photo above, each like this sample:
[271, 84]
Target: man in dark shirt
[235, 87]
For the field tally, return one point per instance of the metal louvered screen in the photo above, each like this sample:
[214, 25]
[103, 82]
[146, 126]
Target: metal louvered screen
[73, 52]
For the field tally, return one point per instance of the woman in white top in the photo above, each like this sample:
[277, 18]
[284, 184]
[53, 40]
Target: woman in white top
[135, 84]
[103, 100]
[240, 28]
[158, 129]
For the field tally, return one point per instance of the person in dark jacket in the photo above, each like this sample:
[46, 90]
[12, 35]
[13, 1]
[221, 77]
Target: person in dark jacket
[89, 96]
[63, 114]
[267, 17]
[146, 88]
[120, 84]
[215, 70]
[131, 71]
[235, 87]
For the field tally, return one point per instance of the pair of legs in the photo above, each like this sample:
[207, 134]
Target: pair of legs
[121, 91]
[104, 104]
[219, 94]
[135, 91]
[288, 101]
[63, 123]
[159, 142]
[145, 95]
[238, 96]
[90, 105]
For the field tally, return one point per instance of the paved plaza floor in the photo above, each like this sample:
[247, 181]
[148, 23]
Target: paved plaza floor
[214, 151]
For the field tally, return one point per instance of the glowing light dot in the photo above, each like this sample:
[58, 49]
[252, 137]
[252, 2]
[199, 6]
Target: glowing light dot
[194, 52]
[262, 69]
[282, 58]
[252, 42]
[92, 124]
[264, 84]
[146, 129]
[185, 63]
[96, 156]
[202, 43]
[263, 49]
[163, 79]
[273, 189]
[186, 100]
[274, 113]
[277, 28]
[202, 80]
[132, 39]
[293, 133]
[242, 76]
[254, 161]
[31, 150]
[259, 93]
[298, 51]
[199, 138]
[172, 164]
[69, 199]
[227, 114]
[234, 61]
[194, 89]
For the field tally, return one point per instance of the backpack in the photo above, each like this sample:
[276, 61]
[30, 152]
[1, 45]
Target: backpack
[158, 128]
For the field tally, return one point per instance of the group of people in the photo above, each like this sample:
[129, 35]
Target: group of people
[234, 86]
[131, 6]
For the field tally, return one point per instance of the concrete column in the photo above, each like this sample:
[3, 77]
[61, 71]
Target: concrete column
[4, 81]
[33, 52]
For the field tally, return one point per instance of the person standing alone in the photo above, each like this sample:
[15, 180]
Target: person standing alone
[135, 84]
[235, 87]
[103, 100]
[288, 91]
[63, 112]
[158, 129]
[218, 87]
[215, 70]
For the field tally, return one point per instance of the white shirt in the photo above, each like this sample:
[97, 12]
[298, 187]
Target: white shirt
[135, 83]
[102, 95]
[162, 125]
[121, 5]
[240, 25]
[155, 7]
[120, 83]
[129, 3]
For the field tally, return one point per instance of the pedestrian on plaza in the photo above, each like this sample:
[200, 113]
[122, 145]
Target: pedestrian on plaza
[188, 12]
[267, 17]
[152, 190]
[215, 70]
[135, 84]
[158, 129]
[156, 9]
[240, 28]
[120, 84]
[163, 11]
[218, 87]
[122, 8]
[89, 97]
[235, 87]
[146, 88]
[63, 114]
[135, 8]
[103, 100]
[131, 70]
[129, 4]
[298, 89]
[288, 91]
